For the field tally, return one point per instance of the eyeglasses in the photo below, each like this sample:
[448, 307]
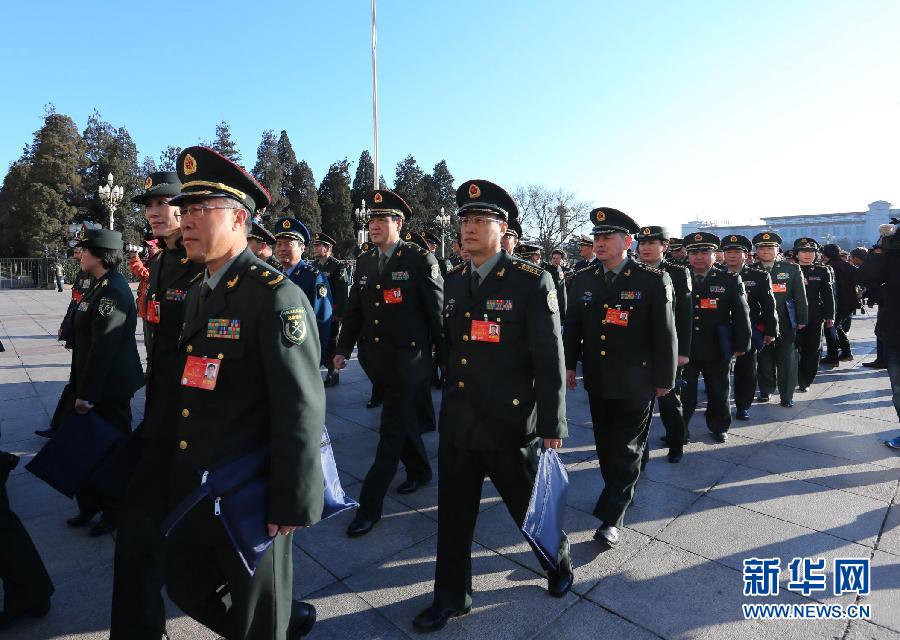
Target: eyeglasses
[478, 221]
[196, 211]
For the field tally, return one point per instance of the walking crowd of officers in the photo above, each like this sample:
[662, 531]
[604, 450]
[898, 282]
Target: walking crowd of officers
[237, 333]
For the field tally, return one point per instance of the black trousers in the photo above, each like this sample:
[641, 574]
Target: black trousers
[777, 366]
[809, 346]
[620, 435]
[841, 343]
[116, 410]
[462, 473]
[745, 379]
[331, 347]
[427, 419]
[402, 376]
[64, 407]
[715, 377]
[26, 585]
[672, 416]
[138, 610]
[207, 580]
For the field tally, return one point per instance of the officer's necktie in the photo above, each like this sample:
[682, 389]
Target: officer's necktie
[698, 281]
[476, 280]
[610, 278]
[205, 290]
[382, 260]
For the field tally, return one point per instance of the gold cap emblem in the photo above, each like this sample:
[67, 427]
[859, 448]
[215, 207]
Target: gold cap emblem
[601, 216]
[286, 224]
[766, 236]
[378, 198]
[190, 165]
[733, 238]
[148, 182]
[646, 231]
[698, 236]
[474, 191]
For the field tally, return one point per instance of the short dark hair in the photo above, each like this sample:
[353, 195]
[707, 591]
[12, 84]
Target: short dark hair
[110, 258]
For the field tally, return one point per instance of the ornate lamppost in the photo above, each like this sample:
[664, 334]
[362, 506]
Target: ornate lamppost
[443, 221]
[361, 217]
[111, 196]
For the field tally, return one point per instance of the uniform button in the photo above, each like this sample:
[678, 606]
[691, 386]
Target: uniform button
[378, 286]
[182, 445]
[461, 384]
[413, 343]
[376, 321]
[189, 349]
[602, 353]
[697, 296]
[696, 328]
[221, 356]
[377, 304]
[515, 402]
[377, 338]
[468, 315]
[464, 361]
[696, 317]
[498, 319]
[643, 364]
[185, 413]
[465, 337]
[603, 322]
[606, 306]
[603, 337]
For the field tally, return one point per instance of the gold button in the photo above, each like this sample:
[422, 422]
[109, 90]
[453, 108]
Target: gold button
[603, 337]
[603, 322]
[465, 337]
[460, 384]
[468, 315]
[606, 306]
[696, 317]
[377, 304]
[643, 364]
[464, 361]
[221, 356]
[697, 296]
[189, 349]
[376, 321]
[377, 338]
[377, 286]
[498, 319]
[185, 413]
[696, 328]
[515, 402]
[182, 445]
[602, 353]
[413, 343]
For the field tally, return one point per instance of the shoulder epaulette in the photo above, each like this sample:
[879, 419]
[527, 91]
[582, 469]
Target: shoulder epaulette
[756, 269]
[647, 267]
[265, 274]
[196, 277]
[586, 267]
[457, 268]
[528, 267]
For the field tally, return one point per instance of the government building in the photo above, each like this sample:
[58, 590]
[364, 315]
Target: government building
[852, 229]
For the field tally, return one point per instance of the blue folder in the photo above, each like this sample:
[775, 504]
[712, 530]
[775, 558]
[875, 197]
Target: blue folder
[791, 312]
[113, 475]
[336, 500]
[543, 524]
[68, 459]
[726, 341]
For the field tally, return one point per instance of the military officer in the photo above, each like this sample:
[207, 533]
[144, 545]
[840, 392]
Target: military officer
[265, 393]
[510, 239]
[763, 319]
[427, 419]
[394, 313]
[777, 362]
[291, 239]
[652, 245]
[432, 241]
[677, 252]
[586, 251]
[260, 240]
[504, 393]
[336, 272]
[821, 304]
[622, 324]
[721, 330]
[106, 368]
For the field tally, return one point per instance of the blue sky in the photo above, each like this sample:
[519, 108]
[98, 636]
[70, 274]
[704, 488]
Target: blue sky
[667, 110]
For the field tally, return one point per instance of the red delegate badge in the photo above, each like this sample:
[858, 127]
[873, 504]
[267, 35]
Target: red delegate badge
[201, 373]
[779, 287]
[617, 316]
[153, 311]
[709, 303]
[484, 331]
[393, 296]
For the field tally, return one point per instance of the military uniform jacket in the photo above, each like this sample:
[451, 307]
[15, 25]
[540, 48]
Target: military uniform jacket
[336, 273]
[681, 284]
[399, 308]
[719, 301]
[559, 281]
[260, 330]
[105, 360]
[787, 284]
[819, 292]
[625, 334]
[760, 300]
[171, 274]
[505, 386]
[272, 261]
[314, 284]
[83, 282]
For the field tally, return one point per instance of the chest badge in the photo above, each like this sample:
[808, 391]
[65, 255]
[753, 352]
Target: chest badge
[499, 305]
[225, 328]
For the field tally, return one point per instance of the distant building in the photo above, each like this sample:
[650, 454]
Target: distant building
[852, 229]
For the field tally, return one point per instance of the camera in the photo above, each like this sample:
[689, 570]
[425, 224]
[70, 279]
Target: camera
[133, 248]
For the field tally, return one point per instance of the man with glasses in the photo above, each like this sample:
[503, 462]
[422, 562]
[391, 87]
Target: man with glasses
[503, 398]
[394, 313]
[266, 394]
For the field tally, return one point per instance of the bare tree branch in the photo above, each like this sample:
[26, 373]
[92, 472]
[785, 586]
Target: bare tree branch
[550, 217]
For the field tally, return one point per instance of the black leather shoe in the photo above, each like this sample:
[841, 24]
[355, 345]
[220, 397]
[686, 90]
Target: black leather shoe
[763, 397]
[559, 582]
[608, 535]
[674, 456]
[360, 526]
[81, 519]
[875, 364]
[303, 617]
[332, 379]
[102, 528]
[788, 404]
[847, 357]
[742, 414]
[44, 433]
[9, 617]
[373, 402]
[435, 618]
[831, 361]
[665, 440]
[410, 486]
[720, 437]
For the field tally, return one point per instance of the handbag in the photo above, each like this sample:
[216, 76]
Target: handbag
[543, 524]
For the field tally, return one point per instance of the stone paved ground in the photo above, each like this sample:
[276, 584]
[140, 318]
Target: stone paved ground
[814, 480]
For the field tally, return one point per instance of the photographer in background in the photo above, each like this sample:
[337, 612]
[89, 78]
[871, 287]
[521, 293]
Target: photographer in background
[139, 265]
[882, 269]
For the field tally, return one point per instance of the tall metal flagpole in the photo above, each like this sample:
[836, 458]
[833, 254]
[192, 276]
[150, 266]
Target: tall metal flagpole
[376, 183]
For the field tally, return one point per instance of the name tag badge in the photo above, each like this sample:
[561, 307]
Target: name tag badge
[153, 311]
[393, 296]
[779, 287]
[484, 331]
[709, 303]
[617, 316]
[201, 373]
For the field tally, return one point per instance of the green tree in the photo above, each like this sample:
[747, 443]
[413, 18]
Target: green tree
[269, 171]
[168, 159]
[303, 198]
[364, 180]
[334, 200]
[148, 166]
[409, 184]
[223, 144]
[438, 192]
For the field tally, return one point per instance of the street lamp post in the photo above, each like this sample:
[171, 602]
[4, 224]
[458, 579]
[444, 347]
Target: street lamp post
[111, 196]
[443, 221]
[361, 216]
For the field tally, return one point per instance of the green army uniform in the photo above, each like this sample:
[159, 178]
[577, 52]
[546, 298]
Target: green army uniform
[777, 362]
[394, 314]
[504, 391]
[138, 610]
[621, 324]
[819, 280]
[259, 232]
[260, 332]
[721, 328]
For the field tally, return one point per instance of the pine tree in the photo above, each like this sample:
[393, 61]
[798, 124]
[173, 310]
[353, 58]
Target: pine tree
[269, 171]
[303, 197]
[148, 166]
[334, 199]
[364, 181]
[168, 159]
[438, 192]
[409, 185]
[223, 144]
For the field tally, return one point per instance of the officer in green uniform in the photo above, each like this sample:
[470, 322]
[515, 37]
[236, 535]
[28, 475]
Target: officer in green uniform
[763, 319]
[777, 362]
[820, 300]
[266, 392]
[260, 240]
[622, 325]
[509, 242]
[504, 393]
[394, 313]
[677, 252]
[138, 610]
[652, 244]
[106, 367]
[336, 272]
[721, 330]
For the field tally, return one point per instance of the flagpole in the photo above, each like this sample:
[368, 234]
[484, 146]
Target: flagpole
[375, 181]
